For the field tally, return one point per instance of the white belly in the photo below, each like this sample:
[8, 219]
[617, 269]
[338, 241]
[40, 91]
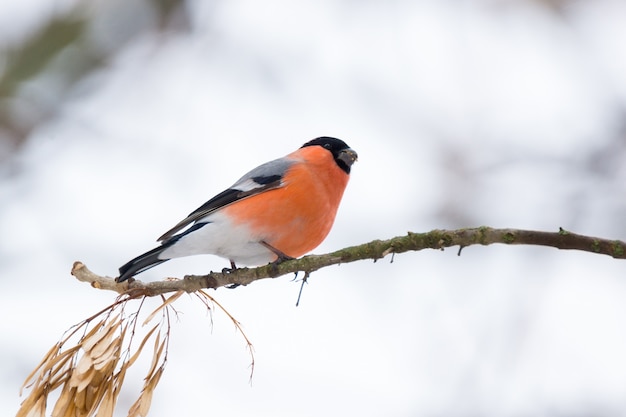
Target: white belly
[219, 237]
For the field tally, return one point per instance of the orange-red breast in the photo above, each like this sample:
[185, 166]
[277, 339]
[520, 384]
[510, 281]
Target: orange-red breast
[279, 210]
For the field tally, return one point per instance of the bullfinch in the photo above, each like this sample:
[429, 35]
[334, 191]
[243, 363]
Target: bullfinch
[279, 210]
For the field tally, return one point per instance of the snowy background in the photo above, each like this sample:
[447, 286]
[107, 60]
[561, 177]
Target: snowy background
[507, 113]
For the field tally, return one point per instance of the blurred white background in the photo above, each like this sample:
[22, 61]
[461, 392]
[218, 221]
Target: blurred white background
[119, 118]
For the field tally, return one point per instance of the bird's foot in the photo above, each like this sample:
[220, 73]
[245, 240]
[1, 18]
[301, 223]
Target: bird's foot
[280, 257]
[230, 270]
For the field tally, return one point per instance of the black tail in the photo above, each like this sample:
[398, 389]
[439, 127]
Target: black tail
[141, 263]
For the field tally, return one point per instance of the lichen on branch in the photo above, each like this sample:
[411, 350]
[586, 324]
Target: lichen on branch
[376, 249]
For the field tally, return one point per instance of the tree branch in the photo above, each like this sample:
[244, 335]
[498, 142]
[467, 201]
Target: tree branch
[377, 249]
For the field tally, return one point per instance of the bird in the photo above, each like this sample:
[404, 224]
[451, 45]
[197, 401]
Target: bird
[280, 210]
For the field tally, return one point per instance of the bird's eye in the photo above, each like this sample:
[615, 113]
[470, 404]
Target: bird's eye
[327, 145]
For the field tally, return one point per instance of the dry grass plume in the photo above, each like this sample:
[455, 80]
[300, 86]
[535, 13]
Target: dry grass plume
[88, 366]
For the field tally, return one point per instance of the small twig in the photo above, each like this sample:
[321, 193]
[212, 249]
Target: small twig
[304, 281]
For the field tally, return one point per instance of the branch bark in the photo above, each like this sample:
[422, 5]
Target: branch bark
[377, 249]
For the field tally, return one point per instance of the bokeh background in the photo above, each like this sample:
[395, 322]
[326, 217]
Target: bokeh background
[118, 118]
